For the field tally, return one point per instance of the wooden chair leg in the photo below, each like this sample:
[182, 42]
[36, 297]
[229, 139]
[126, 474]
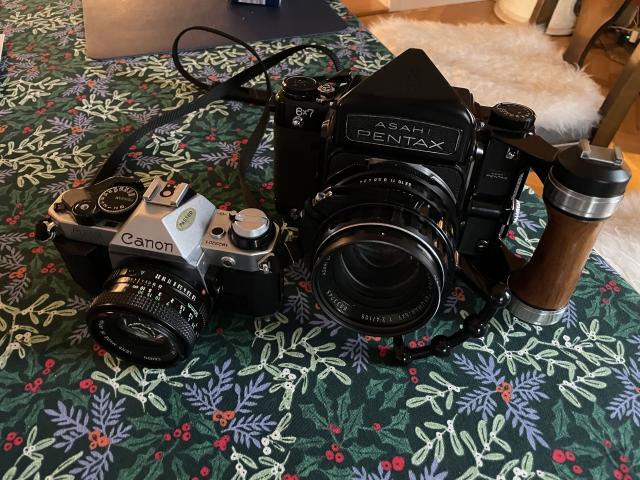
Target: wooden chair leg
[621, 96]
[594, 17]
[542, 12]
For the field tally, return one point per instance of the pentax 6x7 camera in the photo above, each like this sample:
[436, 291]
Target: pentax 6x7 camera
[397, 182]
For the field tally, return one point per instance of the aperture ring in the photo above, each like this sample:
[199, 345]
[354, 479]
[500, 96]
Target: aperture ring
[131, 300]
[196, 307]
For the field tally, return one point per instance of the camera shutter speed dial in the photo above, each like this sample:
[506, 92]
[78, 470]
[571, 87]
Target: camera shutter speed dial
[250, 223]
[251, 229]
[512, 116]
[118, 199]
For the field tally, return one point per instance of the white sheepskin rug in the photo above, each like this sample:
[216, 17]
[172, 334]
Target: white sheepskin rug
[619, 240]
[505, 63]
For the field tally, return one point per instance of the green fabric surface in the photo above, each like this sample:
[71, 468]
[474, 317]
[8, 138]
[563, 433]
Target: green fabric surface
[295, 396]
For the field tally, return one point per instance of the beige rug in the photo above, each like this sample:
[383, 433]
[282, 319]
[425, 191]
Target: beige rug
[619, 241]
[495, 63]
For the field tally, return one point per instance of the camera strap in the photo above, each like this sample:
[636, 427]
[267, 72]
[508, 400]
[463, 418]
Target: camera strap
[231, 89]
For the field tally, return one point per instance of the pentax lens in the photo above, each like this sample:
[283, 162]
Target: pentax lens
[149, 315]
[385, 250]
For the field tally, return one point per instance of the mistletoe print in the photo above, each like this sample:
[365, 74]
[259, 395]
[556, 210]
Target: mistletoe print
[289, 397]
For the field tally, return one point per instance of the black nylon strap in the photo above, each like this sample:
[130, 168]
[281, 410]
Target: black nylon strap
[228, 89]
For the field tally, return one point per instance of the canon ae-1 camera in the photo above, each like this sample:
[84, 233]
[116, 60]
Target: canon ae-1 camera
[161, 259]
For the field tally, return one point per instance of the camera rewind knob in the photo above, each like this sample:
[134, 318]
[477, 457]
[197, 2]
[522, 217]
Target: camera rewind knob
[250, 223]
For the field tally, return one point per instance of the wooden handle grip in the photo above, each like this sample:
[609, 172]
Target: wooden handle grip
[549, 279]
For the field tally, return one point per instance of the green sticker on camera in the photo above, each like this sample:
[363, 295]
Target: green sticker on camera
[186, 219]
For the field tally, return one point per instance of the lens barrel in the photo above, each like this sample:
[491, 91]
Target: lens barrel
[149, 315]
[385, 251]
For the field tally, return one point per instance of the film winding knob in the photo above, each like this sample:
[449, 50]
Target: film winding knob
[512, 116]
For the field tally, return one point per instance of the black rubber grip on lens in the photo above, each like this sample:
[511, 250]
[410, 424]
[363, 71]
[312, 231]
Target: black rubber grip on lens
[130, 300]
[145, 276]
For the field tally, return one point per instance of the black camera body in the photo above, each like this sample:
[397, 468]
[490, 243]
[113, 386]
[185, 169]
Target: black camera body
[407, 112]
[398, 158]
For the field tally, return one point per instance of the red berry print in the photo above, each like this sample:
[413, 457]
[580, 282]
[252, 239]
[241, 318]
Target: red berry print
[386, 465]
[607, 443]
[204, 471]
[335, 447]
[50, 363]
[186, 436]
[7, 446]
[624, 459]
[157, 455]
[558, 456]
[413, 371]
[177, 433]
[623, 468]
[335, 429]
[577, 469]
[339, 457]
[376, 426]
[329, 455]
[11, 436]
[415, 380]
[618, 474]
[397, 463]
[569, 455]
[166, 437]
[93, 389]
[18, 441]
[185, 427]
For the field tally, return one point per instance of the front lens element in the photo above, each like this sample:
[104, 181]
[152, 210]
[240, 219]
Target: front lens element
[383, 243]
[148, 315]
[378, 281]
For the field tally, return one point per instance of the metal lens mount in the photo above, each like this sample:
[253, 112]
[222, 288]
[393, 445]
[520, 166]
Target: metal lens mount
[384, 253]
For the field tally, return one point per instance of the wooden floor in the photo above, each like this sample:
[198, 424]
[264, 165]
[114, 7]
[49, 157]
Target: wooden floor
[603, 69]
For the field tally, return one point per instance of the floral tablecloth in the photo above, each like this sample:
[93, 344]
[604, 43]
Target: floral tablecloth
[293, 397]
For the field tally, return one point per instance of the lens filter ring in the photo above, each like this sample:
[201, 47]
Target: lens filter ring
[377, 279]
[148, 315]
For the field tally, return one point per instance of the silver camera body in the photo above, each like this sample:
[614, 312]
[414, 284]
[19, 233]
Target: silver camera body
[172, 224]
[161, 260]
